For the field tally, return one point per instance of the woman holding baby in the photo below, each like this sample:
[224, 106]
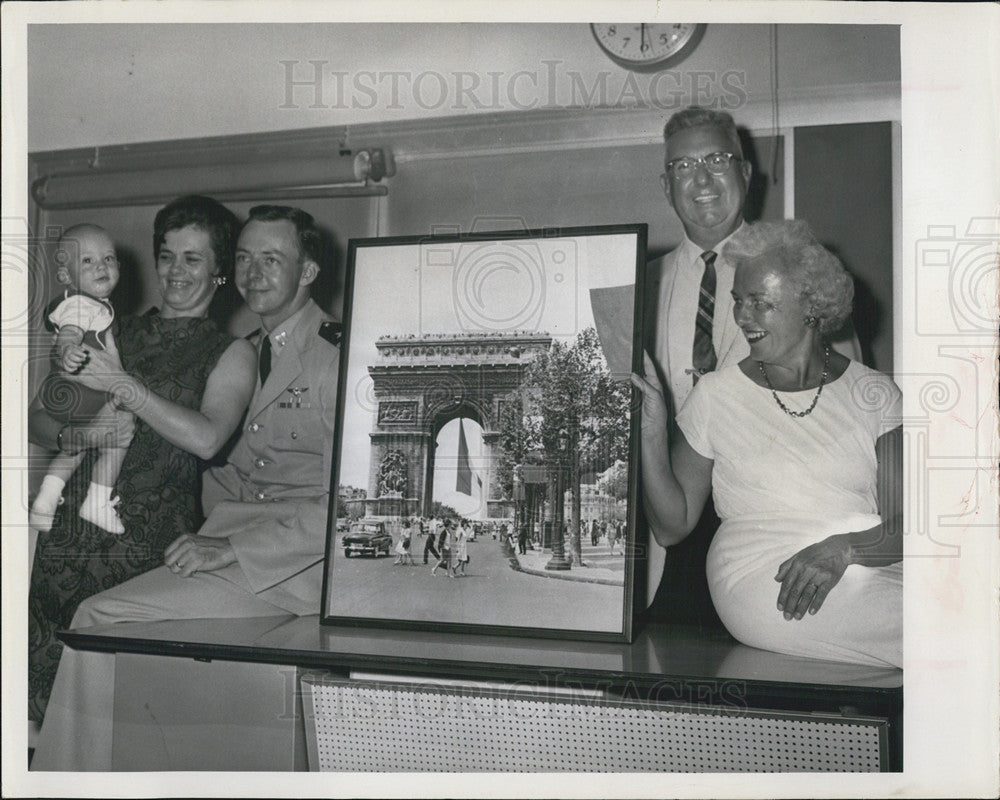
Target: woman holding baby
[184, 384]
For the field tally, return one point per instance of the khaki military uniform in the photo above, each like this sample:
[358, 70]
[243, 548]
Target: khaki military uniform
[271, 498]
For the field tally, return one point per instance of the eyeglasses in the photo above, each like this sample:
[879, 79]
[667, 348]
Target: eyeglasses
[715, 163]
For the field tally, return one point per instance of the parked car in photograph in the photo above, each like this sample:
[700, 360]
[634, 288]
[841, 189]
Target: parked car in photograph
[367, 537]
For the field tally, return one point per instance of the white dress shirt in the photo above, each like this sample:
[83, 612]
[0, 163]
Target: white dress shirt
[680, 285]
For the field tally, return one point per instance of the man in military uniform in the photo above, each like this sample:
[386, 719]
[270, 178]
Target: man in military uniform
[260, 551]
[268, 504]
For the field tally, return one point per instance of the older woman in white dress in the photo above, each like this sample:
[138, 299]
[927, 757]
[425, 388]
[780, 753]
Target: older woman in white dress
[802, 450]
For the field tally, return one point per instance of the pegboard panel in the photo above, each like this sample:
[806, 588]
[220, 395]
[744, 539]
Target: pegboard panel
[382, 727]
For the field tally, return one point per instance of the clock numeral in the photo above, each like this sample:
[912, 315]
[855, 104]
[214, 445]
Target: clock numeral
[654, 43]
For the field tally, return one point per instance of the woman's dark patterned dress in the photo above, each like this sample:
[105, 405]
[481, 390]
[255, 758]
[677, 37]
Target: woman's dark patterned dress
[159, 486]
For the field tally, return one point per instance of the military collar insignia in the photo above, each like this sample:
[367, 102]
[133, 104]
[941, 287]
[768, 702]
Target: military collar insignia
[279, 339]
[331, 331]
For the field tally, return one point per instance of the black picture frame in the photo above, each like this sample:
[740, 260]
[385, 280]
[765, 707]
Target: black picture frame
[526, 338]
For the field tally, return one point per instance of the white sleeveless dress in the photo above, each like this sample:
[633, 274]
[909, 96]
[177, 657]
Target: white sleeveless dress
[781, 483]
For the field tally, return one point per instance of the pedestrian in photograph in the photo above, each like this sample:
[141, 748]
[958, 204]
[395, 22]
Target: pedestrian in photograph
[403, 545]
[462, 556]
[429, 544]
[445, 541]
[522, 540]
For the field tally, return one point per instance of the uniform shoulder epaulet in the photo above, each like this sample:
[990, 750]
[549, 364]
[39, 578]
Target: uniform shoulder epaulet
[252, 334]
[332, 332]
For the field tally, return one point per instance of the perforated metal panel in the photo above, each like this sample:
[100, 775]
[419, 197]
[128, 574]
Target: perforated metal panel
[381, 727]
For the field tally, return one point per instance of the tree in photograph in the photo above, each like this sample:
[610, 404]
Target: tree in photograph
[570, 408]
[607, 426]
[582, 414]
[441, 511]
[614, 481]
[518, 436]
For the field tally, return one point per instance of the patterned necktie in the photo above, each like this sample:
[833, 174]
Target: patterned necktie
[703, 354]
[265, 359]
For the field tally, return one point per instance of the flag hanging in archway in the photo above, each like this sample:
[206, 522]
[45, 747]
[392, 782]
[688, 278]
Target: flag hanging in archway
[463, 473]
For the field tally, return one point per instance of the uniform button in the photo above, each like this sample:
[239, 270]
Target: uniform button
[254, 427]
[260, 496]
[259, 463]
[295, 435]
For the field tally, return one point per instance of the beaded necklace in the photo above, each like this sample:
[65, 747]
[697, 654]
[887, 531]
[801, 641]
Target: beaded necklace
[819, 391]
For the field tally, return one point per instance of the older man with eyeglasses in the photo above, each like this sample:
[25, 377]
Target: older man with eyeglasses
[690, 328]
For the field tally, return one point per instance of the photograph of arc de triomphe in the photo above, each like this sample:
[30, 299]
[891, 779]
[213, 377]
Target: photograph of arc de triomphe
[482, 467]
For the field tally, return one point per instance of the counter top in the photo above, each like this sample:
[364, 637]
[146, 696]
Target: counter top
[659, 655]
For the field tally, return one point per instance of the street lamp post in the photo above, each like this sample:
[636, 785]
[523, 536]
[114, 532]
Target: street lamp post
[558, 485]
[518, 500]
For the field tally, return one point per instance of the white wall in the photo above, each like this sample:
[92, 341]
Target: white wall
[458, 164]
[112, 84]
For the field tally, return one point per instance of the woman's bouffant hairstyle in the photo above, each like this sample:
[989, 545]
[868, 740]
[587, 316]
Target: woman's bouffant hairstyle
[792, 249]
[221, 225]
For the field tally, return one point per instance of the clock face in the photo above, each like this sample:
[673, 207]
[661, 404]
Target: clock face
[643, 44]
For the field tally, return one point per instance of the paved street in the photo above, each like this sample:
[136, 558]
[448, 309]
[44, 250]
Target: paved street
[599, 563]
[492, 593]
[600, 555]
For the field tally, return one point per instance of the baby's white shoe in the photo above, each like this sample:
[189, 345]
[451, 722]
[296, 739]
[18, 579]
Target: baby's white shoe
[49, 498]
[99, 508]
[43, 513]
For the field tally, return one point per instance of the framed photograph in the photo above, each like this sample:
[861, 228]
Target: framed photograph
[484, 474]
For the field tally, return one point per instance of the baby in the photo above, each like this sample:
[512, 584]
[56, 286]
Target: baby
[88, 267]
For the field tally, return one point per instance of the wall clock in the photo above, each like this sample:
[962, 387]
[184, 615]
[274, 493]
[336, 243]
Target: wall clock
[644, 46]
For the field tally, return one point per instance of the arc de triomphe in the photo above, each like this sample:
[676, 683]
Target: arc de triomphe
[420, 384]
